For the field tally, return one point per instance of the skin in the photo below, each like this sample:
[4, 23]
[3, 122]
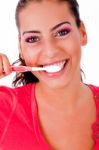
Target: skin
[5, 66]
[48, 20]
[50, 49]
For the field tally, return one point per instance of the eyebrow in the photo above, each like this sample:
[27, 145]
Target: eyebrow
[30, 31]
[55, 27]
[58, 25]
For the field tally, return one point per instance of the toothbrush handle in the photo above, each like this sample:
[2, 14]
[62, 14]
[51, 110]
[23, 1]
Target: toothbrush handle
[21, 68]
[25, 68]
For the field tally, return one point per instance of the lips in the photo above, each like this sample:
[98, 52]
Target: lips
[59, 64]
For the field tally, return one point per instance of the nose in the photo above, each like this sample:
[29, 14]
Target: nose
[50, 49]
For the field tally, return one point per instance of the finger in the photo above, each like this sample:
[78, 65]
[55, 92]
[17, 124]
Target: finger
[2, 75]
[1, 66]
[6, 65]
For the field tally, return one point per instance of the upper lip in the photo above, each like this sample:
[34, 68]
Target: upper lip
[52, 63]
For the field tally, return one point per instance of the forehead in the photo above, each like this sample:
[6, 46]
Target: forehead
[46, 13]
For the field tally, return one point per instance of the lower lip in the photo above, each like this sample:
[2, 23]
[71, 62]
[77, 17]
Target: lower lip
[56, 74]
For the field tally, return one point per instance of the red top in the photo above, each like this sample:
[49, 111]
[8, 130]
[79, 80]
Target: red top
[19, 124]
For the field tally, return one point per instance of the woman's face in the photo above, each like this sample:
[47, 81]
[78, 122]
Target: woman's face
[49, 36]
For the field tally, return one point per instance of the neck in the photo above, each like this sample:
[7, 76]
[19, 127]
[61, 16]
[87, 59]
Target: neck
[60, 99]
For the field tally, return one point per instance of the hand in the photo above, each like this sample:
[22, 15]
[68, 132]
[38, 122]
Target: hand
[5, 66]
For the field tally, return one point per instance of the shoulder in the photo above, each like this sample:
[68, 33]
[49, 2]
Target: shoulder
[9, 97]
[7, 106]
[94, 89]
[11, 100]
[95, 126]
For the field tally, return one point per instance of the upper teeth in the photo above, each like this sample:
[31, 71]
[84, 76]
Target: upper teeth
[55, 67]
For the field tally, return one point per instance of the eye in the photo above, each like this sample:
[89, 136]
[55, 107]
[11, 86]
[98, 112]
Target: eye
[32, 39]
[62, 32]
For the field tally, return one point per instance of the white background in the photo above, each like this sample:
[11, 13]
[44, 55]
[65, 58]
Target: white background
[89, 11]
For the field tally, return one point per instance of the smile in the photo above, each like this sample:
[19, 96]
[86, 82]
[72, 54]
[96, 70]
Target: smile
[56, 67]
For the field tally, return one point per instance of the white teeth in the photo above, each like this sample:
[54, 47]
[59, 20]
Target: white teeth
[55, 67]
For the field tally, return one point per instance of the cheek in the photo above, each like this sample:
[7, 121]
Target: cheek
[71, 45]
[28, 60]
[76, 57]
[75, 48]
[29, 56]
[76, 53]
[75, 44]
[72, 49]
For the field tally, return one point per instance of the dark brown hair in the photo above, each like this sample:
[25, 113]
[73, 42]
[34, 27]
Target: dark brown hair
[28, 77]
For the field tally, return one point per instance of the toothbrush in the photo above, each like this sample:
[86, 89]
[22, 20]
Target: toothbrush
[51, 69]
